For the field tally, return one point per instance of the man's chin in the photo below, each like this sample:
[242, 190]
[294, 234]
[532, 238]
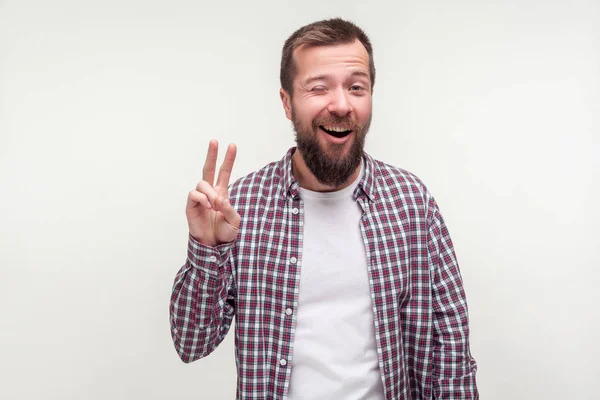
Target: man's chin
[336, 148]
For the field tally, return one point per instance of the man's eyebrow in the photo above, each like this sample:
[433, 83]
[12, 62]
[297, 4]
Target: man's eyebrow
[311, 79]
[362, 74]
[353, 74]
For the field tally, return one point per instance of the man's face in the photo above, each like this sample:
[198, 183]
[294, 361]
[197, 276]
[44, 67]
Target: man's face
[331, 108]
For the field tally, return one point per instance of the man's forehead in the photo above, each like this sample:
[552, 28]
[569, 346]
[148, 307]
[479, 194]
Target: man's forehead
[321, 51]
[349, 54]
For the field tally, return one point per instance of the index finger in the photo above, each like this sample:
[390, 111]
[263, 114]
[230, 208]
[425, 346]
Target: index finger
[227, 166]
[210, 164]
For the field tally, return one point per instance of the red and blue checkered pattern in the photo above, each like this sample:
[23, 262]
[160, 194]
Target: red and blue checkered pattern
[419, 305]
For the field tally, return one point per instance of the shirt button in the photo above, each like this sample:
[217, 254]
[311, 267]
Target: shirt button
[288, 311]
[293, 260]
[212, 259]
[282, 362]
[294, 210]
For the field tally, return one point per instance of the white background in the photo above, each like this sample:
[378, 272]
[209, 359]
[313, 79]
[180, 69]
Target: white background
[106, 110]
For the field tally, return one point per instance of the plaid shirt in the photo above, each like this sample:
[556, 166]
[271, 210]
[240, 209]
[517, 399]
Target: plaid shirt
[419, 305]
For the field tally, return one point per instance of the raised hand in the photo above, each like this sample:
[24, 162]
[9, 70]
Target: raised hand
[211, 218]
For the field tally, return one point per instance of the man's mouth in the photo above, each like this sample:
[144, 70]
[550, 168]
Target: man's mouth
[338, 132]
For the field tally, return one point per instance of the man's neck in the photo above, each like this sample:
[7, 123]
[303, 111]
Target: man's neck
[308, 181]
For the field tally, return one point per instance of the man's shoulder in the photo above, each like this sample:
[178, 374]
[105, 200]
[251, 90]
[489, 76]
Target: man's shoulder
[265, 179]
[395, 179]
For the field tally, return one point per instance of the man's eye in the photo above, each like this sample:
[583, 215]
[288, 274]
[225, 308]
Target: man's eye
[356, 87]
[318, 89]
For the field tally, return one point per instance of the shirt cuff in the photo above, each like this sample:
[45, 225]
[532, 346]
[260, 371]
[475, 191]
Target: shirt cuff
[207, 258]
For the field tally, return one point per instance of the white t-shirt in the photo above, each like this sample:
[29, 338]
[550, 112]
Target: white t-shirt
[334, 354]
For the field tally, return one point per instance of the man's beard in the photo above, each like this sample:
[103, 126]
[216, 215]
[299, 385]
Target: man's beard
[329, 165]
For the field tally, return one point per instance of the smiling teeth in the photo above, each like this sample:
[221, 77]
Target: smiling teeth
[335, 129]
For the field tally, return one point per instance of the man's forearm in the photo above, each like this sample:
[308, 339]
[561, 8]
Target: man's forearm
[202, 302]
[454, 375]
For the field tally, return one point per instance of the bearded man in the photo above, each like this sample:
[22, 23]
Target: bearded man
[338, 268]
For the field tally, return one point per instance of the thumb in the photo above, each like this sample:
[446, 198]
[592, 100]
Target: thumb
[231, 216]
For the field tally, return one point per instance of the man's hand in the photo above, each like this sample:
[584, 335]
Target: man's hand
[211, 218]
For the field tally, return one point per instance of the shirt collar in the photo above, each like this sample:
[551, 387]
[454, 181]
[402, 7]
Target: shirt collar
[367, 184]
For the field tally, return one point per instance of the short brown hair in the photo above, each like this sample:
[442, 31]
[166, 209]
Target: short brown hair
[322, 33]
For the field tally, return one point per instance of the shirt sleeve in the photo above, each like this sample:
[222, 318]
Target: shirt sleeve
[203, 300]
[454, 369]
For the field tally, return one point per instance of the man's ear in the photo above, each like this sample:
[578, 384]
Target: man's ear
[286, 100]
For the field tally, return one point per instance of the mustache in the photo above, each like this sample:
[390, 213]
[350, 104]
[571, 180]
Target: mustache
[346, 122]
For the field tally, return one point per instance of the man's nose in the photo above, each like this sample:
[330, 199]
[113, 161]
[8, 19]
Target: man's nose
[340, 103]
